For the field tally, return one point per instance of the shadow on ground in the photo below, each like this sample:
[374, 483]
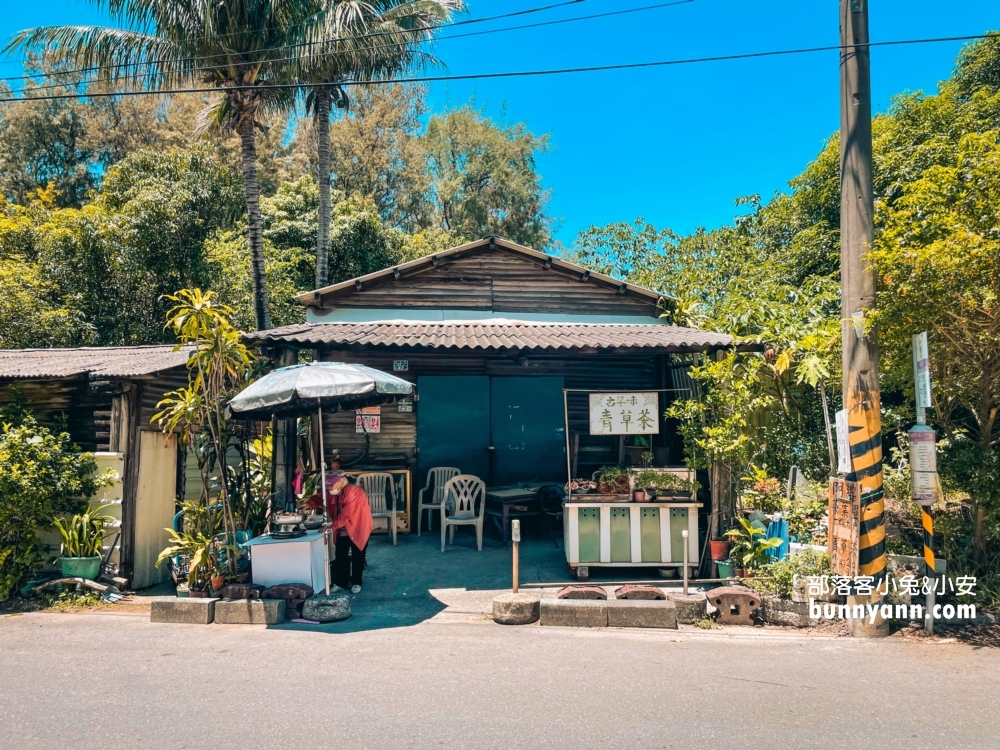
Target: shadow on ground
[414, 581]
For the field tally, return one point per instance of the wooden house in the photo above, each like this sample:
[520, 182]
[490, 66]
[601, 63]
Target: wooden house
[105, 397]
[492, 333]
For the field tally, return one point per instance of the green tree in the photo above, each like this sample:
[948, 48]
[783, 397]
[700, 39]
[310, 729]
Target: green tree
[362, 42]
[483, 177]
[140, 238]
[937, 257]
[213, 44]
[45, 142]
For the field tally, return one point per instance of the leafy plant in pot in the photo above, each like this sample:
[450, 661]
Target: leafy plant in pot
[613, 480]
[749, 547]
[203, 550]
[82, 543]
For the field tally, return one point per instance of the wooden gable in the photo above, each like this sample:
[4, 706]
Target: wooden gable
[501, 279]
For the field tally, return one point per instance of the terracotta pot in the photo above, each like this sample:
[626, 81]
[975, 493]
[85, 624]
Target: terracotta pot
[639, 496]
[741, 573]
[198, 594]
[720, 549]
[218, 582]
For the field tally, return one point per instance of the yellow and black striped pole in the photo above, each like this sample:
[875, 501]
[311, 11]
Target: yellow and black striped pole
[928, 524]
[931, 564]
[865, 436]
[857, 283]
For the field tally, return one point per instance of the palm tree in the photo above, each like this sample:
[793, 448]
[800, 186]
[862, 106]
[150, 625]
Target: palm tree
[362, 41]
[241, 47]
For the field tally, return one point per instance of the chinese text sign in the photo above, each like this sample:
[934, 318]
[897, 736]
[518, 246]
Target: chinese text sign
[624, 414]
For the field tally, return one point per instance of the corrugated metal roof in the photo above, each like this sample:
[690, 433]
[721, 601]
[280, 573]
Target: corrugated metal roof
[94, 362]
[496, 334]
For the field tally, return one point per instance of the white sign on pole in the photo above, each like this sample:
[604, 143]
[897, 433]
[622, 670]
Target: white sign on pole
[843, 443]
[922, 370]
[923, 464]
[624, 414]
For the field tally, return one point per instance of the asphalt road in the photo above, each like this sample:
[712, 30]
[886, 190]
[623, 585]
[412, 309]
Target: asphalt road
[112, 681]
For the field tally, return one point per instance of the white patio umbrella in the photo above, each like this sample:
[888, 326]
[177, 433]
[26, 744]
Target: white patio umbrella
[300, 389]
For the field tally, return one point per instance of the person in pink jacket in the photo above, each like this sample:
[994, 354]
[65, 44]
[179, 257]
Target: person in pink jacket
[351, 523]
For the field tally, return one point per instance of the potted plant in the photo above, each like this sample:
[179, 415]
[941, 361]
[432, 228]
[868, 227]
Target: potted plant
[749, 547]
[647, 481]
[204, 572]
[726, 568]
[720, 548]
[82, 543]
[613, 480]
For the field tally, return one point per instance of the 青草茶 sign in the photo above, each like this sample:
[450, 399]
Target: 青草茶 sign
[624, 414]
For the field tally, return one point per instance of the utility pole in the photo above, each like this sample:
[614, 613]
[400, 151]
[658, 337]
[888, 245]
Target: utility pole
[857, 284]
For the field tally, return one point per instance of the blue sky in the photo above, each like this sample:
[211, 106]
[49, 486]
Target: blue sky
[675, 145]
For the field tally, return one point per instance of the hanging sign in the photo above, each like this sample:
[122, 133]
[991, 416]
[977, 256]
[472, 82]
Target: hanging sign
[844, 524]
[624, 414]
[843, 443]
[922, 370]
[368, 420]
[404, 406]
[923, 464]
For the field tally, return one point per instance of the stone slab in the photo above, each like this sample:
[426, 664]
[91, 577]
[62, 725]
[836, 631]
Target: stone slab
[516, 609]
[250, 612]
[633, 591]
[573, 613]
[689, 607]
[777, 611]
[184, 610]
[641, 613]
[592, 591]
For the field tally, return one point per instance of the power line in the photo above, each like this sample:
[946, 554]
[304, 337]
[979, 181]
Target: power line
[355, 37]
[608, 14]
[513, 74]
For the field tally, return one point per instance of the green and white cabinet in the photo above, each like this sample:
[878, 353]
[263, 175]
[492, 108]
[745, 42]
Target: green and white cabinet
[629, 535]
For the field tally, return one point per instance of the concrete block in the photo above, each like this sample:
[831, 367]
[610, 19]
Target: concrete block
[778, 611]
[641, 613]
[574, 613]
[516, 609]
[736, 604]
[184, 610]
[250, 612]
[592, 591]
[689, 607]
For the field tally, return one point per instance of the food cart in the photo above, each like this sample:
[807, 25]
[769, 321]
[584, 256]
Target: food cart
[300, 552]
[613, 529]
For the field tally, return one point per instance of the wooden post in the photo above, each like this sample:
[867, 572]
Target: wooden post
[129, 412]
[283, 449]
[857, 230]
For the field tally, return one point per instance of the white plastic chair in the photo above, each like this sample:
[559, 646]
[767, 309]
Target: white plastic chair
[381, 491]
[460, 495]
[437, 478]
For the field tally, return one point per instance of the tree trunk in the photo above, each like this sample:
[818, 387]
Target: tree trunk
[323, 162]
[261, 308]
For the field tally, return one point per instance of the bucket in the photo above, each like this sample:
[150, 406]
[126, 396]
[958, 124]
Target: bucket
[80, 567]
[726, 569]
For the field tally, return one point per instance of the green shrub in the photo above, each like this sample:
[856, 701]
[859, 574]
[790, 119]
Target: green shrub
[42, 475]
[782, 573]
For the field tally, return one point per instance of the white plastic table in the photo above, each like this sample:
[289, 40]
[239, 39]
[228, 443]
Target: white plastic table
[299, 560]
